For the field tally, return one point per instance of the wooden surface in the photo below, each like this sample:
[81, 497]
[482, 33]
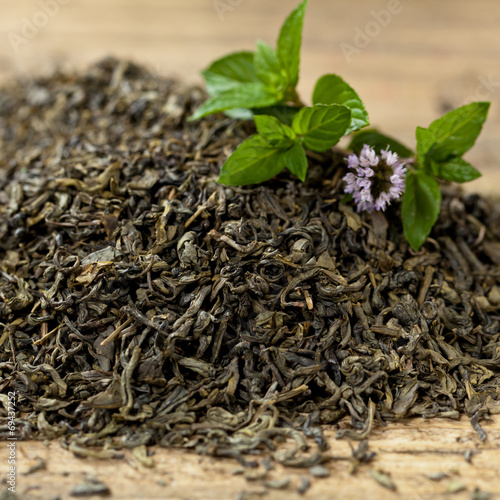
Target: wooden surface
[431, 55]
[408, 451]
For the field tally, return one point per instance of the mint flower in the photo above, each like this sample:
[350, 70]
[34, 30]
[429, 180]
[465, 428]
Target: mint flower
[376, 180]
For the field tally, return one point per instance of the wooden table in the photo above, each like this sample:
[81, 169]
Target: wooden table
[410, 66]
[408, 451]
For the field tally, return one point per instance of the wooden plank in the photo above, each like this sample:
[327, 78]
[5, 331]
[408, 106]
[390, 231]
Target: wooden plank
[408, 450]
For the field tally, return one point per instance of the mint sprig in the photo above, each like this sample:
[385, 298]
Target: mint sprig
[257, 79]
[262, 85]
[439, 155]
[277, 146]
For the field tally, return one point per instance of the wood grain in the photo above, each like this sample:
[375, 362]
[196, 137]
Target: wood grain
[428, 56]
[408, 450]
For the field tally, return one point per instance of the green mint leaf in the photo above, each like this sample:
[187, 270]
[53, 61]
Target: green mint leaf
[274, 132]
[285, 114]
[268, 68]
[322, 126]
[457, 170]
[432, 168]
[246, 95]
[425, 142]
[420, 207]
[331, 89]
[296, 161]
[289, 41]
[254, 161]
[229, 72]
[239, 113]
[378, 141]
[457, 131]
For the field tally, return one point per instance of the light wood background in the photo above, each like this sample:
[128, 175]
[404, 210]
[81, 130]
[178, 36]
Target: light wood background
[430, 56]
[408, 451]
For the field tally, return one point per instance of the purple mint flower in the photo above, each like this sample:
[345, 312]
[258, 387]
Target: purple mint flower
[375, 180]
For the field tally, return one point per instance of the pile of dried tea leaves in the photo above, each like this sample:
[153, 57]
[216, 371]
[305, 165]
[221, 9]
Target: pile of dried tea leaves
[143, 303]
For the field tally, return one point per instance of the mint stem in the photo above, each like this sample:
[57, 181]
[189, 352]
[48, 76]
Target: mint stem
[292, 98]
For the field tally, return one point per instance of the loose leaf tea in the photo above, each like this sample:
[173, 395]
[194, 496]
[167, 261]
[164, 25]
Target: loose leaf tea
[144, 303]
